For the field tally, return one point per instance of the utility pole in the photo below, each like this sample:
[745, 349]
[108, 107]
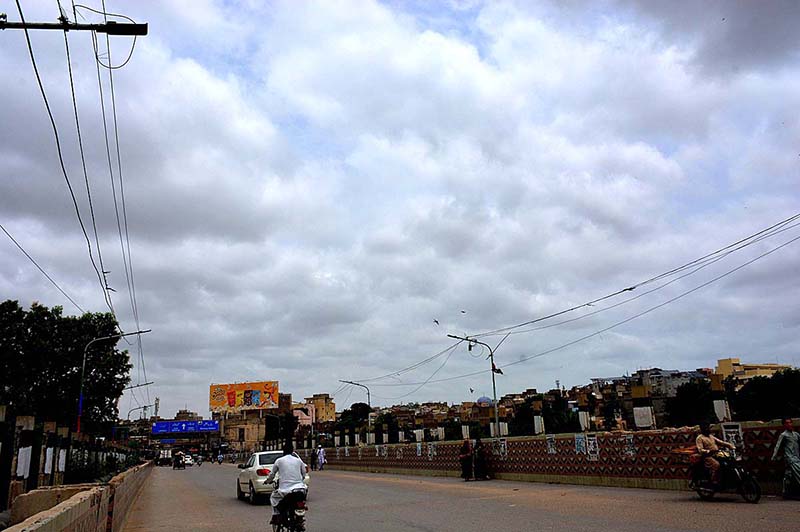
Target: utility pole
[369, 402]
[83, 368]
[109, 27]
[472, 342]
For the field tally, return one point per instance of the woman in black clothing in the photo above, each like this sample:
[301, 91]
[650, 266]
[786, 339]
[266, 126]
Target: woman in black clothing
[465, 458]
[480, 461]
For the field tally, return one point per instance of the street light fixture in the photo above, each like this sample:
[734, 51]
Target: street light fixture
[495, 369]
[83, 368]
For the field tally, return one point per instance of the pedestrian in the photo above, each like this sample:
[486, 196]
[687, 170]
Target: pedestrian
[789, 445]
[479, 461]
[321, 461]
[314, 459]
[465, 459]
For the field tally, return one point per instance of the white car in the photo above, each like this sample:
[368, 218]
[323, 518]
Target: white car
[188, 460]
[251, 483]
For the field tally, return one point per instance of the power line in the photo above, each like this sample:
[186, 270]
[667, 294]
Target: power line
[85, 173]
[641, 283]
[426, 381]
[613, 326]
[94, 41]
[699, 263]
[41, 269]
[58, 148]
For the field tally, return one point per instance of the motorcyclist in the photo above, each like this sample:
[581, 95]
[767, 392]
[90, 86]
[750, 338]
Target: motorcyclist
[291, 471]
[708, 446]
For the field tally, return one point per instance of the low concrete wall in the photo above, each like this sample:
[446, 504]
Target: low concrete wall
[86, 511]
[125, 487]
[41, 499]
[639, 459]
[82, 507]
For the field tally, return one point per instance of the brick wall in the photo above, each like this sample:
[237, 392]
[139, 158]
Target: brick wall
[125, 487]
[638, 459]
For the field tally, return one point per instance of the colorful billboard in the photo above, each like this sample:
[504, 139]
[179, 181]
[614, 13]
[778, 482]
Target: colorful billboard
[243, 396]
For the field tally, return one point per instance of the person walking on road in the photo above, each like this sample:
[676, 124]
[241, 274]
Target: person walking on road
[465, 459]
[321, 461]
[789, 445]
[479, 458]
[314, 459]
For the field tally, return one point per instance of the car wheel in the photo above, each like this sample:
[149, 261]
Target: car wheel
[239, 493]
[252, 497]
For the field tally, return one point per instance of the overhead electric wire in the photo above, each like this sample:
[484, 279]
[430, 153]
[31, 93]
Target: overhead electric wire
[109, 302]
[637, 285]
[442, 365]
[699, 266]
[94, 39]
[58, 149]
[14, 240]
[613, 326]
[703, 261]
[413, 366]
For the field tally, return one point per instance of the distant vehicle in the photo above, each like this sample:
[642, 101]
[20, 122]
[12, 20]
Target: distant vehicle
[251, 483]
[164, 458]
[188, 460]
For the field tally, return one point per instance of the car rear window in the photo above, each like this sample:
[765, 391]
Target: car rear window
[267, 459]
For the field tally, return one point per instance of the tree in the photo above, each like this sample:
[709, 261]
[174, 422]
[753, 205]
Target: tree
[692, 404]
[522, 422]
[41, 352]
[765, 398]
[558, 418]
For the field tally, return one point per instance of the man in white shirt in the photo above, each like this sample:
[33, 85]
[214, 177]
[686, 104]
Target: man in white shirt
[291, 471]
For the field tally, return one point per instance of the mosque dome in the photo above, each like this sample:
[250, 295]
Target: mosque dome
[484, 401]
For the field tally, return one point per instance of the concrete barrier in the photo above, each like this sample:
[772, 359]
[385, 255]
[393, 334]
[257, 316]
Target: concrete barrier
[641, 459]
[41, 499]
[86, 511]
[124, 488]
[82, 507]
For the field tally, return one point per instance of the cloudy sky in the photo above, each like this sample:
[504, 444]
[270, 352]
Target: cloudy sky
[310, 184]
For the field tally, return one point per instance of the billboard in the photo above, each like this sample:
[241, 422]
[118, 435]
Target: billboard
[243, 396]
[174, 427]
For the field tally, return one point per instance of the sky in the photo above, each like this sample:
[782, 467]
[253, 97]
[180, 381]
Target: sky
[309, 185]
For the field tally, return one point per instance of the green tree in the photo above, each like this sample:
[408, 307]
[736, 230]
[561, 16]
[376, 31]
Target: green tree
[41, 352]
[692, 404]
[522, 422]
[558, 417]
[765, 398]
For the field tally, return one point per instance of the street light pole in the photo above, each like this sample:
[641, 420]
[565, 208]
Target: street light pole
[369, 402]
[494, 370]
[83, 368]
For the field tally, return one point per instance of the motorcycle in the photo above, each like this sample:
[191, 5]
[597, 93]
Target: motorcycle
[178, 463]
[733, 477]
[292, 511]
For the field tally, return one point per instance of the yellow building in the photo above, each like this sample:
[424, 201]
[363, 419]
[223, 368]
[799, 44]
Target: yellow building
[732, 367]
[324, 407]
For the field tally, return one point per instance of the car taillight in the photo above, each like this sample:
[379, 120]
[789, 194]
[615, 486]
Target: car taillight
[262, 472]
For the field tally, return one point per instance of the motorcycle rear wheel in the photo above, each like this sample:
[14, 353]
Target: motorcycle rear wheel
[705, 493]
[750, 490]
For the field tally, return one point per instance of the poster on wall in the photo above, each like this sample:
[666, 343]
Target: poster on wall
[243, 396]
[338, 453]
[732, 433]
[550, 439]
[500, 448]
[580, 444]
[359, 453]
[385, 451]
[399, 450]
[347, 451]
[419, 449]
[592, 448]
[431, 451]
[628, 445]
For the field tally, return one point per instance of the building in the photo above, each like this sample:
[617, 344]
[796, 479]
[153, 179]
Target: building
[187, 415]
[324, 407]
[741, 373]
[246, 430]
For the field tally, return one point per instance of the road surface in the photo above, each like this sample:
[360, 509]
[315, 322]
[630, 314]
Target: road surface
[203, 498]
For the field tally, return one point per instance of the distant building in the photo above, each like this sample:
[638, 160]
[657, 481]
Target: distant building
[187, 415]
[324, 407]
[741, 373]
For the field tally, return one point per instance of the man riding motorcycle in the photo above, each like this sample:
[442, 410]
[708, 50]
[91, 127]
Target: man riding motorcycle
[708, 446]
[291, 471]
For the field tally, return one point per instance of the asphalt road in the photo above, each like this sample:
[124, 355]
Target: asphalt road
[203, 498]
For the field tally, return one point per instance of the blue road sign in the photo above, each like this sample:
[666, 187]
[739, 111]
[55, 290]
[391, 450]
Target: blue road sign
[178, 427]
